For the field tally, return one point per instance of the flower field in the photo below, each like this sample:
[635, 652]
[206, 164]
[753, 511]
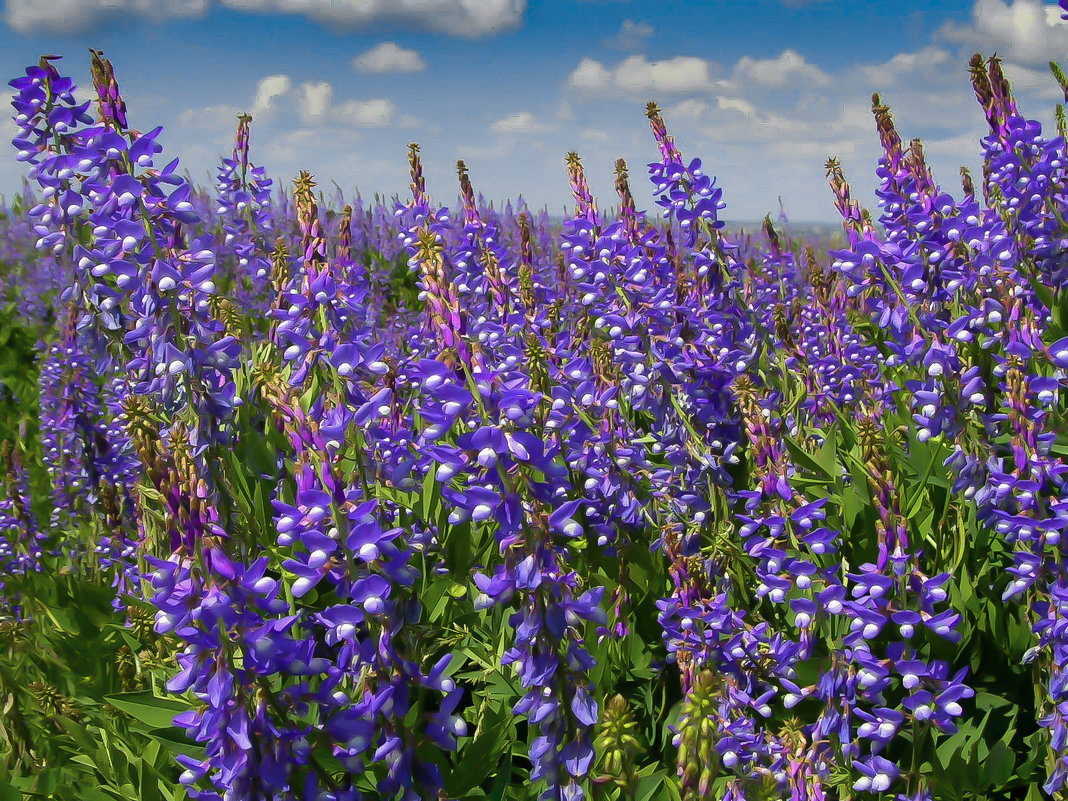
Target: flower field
[330, 499]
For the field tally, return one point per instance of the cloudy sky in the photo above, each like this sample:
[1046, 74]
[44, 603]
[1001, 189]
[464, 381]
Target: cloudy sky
[763, 91]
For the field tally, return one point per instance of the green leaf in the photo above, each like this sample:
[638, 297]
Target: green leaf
[479, 758]
[804, 459]
[149, 708]
[458, 549]
[1045, 294]
[828, 454]
[853, 504]
[986, 701]
[94, 794]
[431, 494]
[260, 456]
[999, 764]
[9, 793]
[149, 781]
[504, 778]
[175, 742]
[648, 785]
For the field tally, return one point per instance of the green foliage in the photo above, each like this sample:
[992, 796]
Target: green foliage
[18, 373]
[81, 714]
[84, 713]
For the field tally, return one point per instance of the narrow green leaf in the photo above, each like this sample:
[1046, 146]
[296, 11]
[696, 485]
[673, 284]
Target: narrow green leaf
[648, 785]
[430, 495]
[149, 708]
[479, 758]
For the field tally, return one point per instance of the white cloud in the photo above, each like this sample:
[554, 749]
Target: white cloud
[388, 57]
[590, 75]
[1038, 82]
[788, 69]
[739, 104]
[210, 117]
[69, 16]
[952, 147]
[315, 99]
[631, 35]
[289, 145]
[745, 124]
[856, 116]
[315, 105]
[471, 18]
[908, 65]
[766, 131]
[679, 74]
[486, 150]
[412, 121]
[691, 108]
[813, 152]
[637, 74]
[521, 123]
[375, 113]
[267, 90]
[1027, 31]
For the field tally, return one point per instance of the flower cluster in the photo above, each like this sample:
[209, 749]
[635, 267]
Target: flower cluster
[402, 483]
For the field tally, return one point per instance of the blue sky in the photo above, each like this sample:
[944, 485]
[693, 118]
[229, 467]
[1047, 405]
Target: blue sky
[762, 91]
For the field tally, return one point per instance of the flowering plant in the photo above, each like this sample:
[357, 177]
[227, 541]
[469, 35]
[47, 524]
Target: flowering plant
[394, 501]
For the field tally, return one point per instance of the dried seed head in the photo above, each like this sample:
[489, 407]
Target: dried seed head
[344, 235]
[279, 268]
[126, 663]
[312, 242]
[111, 105]
[773, 237]
[467, 193]
[983, 91]
[526, 253]
[870, 435]
[782, 324]
[537, 364]
[241, 139]
[745, 390]
[48, 698]
[142, 623]
[663, 140]
[966, 182]
[418, 185]
[226, 312]
[1002, 91]
[585, 205]
[917, 166]
[138, 416]
[888, 135]
[627, 209]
